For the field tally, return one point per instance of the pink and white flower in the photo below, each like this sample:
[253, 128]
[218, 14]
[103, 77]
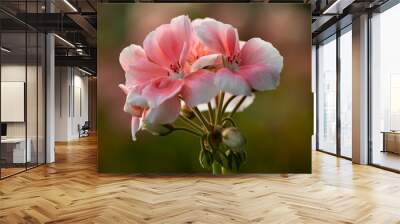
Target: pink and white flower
[185, 64]
[138, 106]
[161, 70]
[189, 63]
[256, 65]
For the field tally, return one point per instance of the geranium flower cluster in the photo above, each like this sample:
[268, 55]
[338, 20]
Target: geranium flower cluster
[186, 67]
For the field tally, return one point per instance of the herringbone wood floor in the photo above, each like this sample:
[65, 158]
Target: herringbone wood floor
[71, 191]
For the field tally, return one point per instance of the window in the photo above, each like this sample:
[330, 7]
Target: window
[385, 89]
[326, 95]
[346, 92]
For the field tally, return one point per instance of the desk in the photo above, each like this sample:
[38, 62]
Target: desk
[13, 150]
[391, 141]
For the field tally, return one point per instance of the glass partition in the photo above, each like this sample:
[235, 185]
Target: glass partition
[22, 91]
[14, 155]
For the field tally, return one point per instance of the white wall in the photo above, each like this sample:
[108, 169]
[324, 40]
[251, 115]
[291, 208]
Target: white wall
[71, 102]
[33, 126]
[16, 73]
[61, 103]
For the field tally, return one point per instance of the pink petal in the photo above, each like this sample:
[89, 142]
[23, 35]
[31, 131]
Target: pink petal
[199, 88]
[124, 88]
[219, 37]
[135, 104]
[229, 82]
[182, 29]
[153, 50]
[242, 43]
[198, 49]
[166, 113]
[261, 64]
[130, 55]
[259, 77]
[204, 61]
[169, 44]
[160, 90]
[137, 67]
[136, 125]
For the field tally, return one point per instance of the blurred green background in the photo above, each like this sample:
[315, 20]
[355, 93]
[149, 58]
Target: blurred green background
[278, 125]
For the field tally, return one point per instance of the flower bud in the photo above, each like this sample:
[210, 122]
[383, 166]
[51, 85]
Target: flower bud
[158, 129]
[232, 138]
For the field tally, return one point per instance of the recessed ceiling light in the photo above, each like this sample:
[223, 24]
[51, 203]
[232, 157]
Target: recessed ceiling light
[70, 5]
[64, 40]
[5, 50]
[84, 71]
[337, 7]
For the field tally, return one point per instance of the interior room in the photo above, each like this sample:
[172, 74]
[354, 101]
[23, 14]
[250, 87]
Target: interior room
[385, 90]
[184, 112]
[22, 99]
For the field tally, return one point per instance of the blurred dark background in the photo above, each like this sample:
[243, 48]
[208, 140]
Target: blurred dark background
[278, 125]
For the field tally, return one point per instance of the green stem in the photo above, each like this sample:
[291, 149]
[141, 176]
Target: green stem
[216, 168]
[219, 108]
[200, 116]
[210, 113]
[228, 119]
[216, 109]
[187, 130]
[191, 123]
[227, 103]
[224, 171]
[237, 106]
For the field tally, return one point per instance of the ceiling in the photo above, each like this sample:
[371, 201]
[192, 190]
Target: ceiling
[75, 23]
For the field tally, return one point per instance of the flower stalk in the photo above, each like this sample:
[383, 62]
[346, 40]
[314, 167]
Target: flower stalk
[219, 108]
[218, 135]
[216, 168]
[191, 123]
[187, 130]
[237, 106]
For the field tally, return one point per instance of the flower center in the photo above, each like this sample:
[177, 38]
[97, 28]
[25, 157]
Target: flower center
[176, 71]
[175, 75]
[232, 62]
[136, 111]
[176, 67]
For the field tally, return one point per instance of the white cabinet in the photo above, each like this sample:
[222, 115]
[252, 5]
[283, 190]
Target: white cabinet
[17, 147]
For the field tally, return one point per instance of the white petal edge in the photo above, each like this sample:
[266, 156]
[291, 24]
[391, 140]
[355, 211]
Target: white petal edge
[227, 81]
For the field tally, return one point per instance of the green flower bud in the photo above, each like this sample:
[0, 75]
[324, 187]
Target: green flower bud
[233, 139]
[158, 129]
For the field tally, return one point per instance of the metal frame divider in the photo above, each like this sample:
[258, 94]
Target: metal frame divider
[0, 94]
[26, 87]
[338, 76]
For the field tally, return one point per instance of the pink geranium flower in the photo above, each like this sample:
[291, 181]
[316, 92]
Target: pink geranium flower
[160, 70]
[138, 107]
[256, 65]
